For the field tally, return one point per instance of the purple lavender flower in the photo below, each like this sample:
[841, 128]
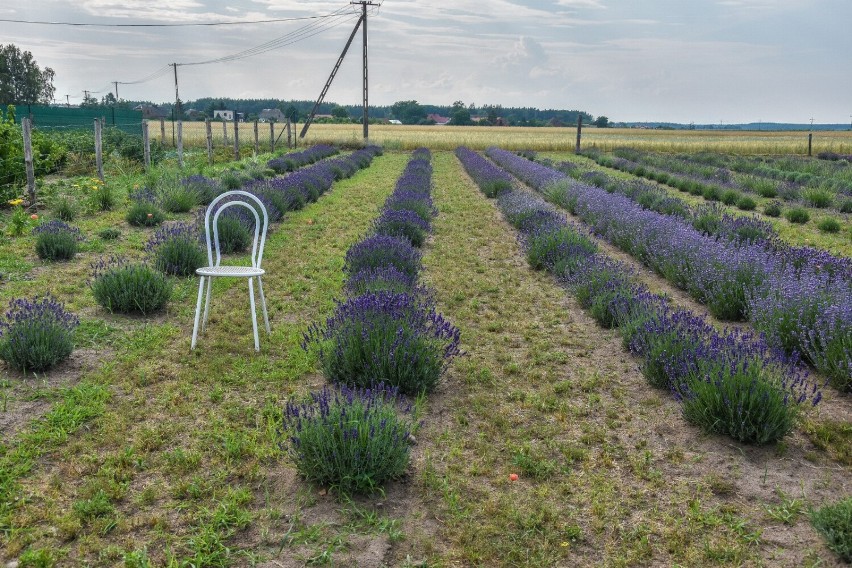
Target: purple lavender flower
[36, 334]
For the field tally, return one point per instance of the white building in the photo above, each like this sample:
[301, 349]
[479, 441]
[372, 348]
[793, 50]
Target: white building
[223, 114]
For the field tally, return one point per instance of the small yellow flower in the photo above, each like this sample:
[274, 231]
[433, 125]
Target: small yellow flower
[564, 544]
[94, 188]
[136, 186]
[14, 202]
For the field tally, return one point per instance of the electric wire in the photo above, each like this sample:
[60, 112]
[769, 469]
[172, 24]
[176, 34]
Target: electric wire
[209, 24]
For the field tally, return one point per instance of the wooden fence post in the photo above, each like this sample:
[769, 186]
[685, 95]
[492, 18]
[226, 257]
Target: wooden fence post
[272, 137]
[99, 154]
[180, 142]
[146, 142]
[810, 141]
[256, 140]
[209, 130]
[236, 137]
[289, 135]
[225, 130]
[26, 127]
[579, 133]
[163, 131]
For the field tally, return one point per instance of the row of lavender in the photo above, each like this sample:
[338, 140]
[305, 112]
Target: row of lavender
[731, 383]
[801, 299]
[711, 219]
[716, 184]
[384, 339]
[37, 334]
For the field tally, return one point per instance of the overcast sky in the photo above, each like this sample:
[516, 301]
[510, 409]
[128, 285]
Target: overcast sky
[703, 61]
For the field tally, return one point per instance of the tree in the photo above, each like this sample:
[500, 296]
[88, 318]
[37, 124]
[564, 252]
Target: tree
[460, 115]
[292, 113]
[108, 99]
[601, 122]
[21, 79]
[338, 111]
[408, 112]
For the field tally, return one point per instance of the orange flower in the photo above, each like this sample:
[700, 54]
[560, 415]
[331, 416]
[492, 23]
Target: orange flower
[513, 476]
[34, 217]
[150, 215]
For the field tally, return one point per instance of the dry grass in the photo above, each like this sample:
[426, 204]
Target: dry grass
[398, 137]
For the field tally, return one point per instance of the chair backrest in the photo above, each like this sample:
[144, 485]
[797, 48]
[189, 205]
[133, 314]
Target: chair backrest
[259, 233]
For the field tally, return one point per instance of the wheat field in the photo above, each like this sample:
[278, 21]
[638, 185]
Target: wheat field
[399, 137]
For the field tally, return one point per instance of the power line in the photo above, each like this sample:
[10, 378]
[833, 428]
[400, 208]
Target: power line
[310, 30]
[240, 23]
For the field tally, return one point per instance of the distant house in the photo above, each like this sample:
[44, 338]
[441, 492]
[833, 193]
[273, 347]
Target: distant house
[394, 121]
[194, 114]
[439, 120]
[271, 115]
[151, 112]
[223, 114]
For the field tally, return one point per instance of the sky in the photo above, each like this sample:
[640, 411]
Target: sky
[702, 61]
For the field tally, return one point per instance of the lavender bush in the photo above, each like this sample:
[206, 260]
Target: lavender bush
[205, 189]
[56, 240]
[144, 213]
[383, 278]
[176, 249]
[396, 338]
[119, 286]
[36, 334]
[490, 179]
[380, 251]
[352, 440]
[403, 224]
[295, 160]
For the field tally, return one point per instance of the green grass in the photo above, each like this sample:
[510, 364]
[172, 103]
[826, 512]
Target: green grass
[163, 456]
[200, 427]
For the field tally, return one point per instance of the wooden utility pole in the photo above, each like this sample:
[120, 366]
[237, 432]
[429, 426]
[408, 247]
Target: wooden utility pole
[180, 143]
[579, 132]
[236, 136]
[26, 128]
[146, 142]
[99, 154]
[209, 131]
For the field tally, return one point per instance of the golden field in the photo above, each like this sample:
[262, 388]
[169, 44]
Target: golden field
[399, 137]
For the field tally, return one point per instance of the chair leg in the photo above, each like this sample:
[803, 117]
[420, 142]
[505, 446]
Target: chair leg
[253, 315]
[263, 304]
[207, 303]
[197, 313]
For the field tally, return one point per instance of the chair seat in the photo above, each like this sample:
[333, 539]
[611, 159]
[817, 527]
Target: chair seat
[235, 271]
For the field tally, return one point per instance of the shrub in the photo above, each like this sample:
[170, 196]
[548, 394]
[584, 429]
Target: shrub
[711, 193]
[144, 214]
[109, 234]
[64, 209]
[55, 240]
[736, 388]
[101, 196]
[352, 440]
[818, 197]
[129, 288]
[234, 236]
[798, 215]
[601, 287]
[772, 209]
[829, 225]
[176, 250]
[558, 249]
[834, 523]
[377, 337]
[178, 198]
[231, 180]
[382, 251]
[845, 206]
[403, 224]
[746, 203]
[730, 197]
[385, 278]
[36, 334]
[205, 189]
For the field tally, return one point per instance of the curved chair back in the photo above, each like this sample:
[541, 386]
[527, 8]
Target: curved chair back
[259, 234]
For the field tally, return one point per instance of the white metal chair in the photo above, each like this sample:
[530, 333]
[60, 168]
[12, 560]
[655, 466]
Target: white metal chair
[217, 270]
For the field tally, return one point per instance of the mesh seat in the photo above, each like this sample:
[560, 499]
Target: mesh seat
[216, 269]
